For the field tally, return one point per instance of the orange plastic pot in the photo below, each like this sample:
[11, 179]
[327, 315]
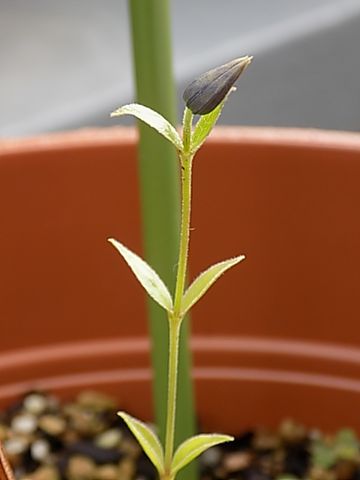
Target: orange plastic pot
[278, 336]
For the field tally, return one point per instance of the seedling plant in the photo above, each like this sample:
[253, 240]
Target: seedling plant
[205, 97]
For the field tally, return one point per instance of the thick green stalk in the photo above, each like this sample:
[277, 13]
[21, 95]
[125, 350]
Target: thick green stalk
[160, 196]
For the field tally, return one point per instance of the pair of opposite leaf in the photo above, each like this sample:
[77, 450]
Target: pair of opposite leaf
[205, 96]
[185, 453]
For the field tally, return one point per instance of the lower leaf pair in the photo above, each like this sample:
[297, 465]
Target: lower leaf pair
[185, 453]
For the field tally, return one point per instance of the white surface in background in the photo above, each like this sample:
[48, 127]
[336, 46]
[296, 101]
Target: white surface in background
[68, 64]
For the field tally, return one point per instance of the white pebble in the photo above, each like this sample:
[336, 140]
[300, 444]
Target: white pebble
[40, 450]
[15, 445]
[35, 403]
[109, 439]
[24, 423]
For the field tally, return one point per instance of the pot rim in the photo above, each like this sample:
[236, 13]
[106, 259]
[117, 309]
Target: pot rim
[228, 359]
[100, 137]
[207, 344]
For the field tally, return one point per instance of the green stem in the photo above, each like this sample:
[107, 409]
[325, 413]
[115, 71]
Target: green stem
[174, 334]
[175, 320]
[187, 124]
[186, 166]
[186, 170]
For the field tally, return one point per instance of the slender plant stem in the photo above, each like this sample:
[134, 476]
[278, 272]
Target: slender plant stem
[187, 123]
[186, 170]
[175, 319]
[186, 167]
[174, 334]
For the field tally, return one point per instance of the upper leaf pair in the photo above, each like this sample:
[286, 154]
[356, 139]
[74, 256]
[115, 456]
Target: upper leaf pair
[160, 124]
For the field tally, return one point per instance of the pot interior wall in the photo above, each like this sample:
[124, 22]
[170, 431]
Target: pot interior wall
[277, 336]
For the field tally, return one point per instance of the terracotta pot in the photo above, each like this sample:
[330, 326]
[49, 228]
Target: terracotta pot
[278, 336]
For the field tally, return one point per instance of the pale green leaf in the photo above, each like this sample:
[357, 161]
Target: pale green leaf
[205, 124]
[195, 446]
[204, 281]
[148, 278]
[147, 439]
[153, 119]
[323, 455]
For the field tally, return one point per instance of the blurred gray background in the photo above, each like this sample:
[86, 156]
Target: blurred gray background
[68, 64]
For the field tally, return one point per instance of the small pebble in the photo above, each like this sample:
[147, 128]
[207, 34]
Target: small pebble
[109, 439]
[16, 445]
[96, 401]
[40, 450]
[15, 448]
[35, 403]
[70, 436]
[234, 462]
[265, 440]
[291, 432]
[81, 468]
[85, 422]
[25, 423]
[107, 472]
[51, 424]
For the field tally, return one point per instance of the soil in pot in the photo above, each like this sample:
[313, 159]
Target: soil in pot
[84, 439]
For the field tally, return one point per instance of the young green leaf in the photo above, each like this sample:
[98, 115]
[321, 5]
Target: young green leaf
[195, 446]
[204, 281]
[346, 445]
[323, 455]
[148, 278]
[147, 439]
[206, 123]
[153, 119]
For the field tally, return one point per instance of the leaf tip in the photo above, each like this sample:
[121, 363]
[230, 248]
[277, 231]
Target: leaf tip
[115, 113]
[122, 415]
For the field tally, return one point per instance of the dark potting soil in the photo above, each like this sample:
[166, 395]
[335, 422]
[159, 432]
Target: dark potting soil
[86, 440]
